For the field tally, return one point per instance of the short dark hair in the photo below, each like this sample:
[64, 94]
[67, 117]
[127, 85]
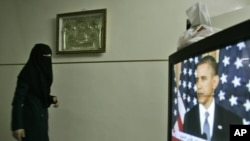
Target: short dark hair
[210, 60]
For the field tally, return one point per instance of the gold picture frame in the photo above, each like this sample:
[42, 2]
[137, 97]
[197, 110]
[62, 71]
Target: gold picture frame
[81, 32]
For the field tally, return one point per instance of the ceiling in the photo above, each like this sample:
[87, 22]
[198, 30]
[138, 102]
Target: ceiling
[218, 7]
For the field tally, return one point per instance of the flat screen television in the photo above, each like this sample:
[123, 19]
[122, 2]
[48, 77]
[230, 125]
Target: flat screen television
[222, 89]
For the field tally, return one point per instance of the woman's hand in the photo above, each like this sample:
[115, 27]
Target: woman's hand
[18, 134]
[55, 101]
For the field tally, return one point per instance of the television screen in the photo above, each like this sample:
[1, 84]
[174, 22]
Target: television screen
[209, 86]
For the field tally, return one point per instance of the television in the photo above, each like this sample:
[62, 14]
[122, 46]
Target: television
[230, 48]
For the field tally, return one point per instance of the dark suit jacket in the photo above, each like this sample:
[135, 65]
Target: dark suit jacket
[222, 121]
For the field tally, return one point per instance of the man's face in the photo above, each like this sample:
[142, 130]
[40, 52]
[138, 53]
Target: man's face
[206, 82]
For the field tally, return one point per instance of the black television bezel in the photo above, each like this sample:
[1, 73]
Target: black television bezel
[216, 41]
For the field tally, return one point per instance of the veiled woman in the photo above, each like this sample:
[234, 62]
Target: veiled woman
[32, 97]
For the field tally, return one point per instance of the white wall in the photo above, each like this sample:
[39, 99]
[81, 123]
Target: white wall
[100, 101]
[136, 29]
[108, 101]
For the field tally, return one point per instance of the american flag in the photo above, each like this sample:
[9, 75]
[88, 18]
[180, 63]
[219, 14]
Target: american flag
[233, 91]
[184, 92]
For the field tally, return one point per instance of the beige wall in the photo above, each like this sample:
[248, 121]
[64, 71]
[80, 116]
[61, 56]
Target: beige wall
[123, 97]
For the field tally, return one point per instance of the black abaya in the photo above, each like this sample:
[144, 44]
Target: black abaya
[32, 95]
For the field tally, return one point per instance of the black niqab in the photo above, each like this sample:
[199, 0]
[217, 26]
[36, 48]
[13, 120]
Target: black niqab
[37, 72]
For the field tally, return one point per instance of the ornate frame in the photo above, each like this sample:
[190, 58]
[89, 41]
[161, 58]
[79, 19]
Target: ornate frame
[81, 32]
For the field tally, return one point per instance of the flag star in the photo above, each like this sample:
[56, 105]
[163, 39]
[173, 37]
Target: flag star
[233, 100]
[226, 61]
[184, 71]
[196, 60]
[195, 88]
[194, 101]
[190, 72]
[221, 95]
[175, 101]
[248, 86]
[241, 45]
[188, 99]
[246, 122]
[184, 84]
[184, 96]
[175, 112]
[247, 105]
[191, 60]
[223, 78]
[236, 81]
[228, 47]
[238, 63]
[175, 90]
[189, 85]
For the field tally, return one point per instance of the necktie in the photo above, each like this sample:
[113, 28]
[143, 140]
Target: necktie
[206, 128]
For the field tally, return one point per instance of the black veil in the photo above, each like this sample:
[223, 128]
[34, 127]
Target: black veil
[37, 72]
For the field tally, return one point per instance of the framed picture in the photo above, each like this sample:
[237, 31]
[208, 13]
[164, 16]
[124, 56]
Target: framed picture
[81, 32]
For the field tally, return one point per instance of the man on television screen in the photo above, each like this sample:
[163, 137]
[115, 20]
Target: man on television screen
[207, 119]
